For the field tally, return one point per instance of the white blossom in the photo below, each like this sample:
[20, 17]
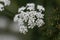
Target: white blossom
[30, 6]
[6, 3]
[39, 22]
[1, 7]
[16, 18]
[29, 19]
[21, 9]
[31, 24]
[39, 15]
[40, 8]
[23, 29]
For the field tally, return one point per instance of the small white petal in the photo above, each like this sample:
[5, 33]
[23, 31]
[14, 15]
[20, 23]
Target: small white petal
[16, 17]
[30, 6]
[21, 9]
[40, 8]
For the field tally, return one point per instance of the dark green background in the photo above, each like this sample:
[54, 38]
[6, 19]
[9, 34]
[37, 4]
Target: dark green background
[51, 29]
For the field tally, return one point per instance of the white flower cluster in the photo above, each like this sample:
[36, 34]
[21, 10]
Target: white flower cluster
[29, 17]
[6, 3]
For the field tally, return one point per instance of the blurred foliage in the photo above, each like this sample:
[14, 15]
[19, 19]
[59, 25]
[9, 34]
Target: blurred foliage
[51, 29]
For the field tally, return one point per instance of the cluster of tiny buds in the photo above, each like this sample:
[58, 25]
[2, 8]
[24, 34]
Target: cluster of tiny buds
[29, 17]
[31, 7]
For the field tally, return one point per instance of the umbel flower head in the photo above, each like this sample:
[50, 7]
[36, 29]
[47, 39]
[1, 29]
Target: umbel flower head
[29, 17]
[6, 3]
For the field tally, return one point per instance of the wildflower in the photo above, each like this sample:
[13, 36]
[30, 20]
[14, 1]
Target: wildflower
[21, 9]
[40, 8]
[6, 3]
[39, 15]
[23, 29]
[29, 19]
[30, 6]
[39, 22]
